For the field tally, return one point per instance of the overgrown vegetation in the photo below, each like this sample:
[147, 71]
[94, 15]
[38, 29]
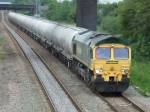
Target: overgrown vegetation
[141, 76]
[60, 11]
[24, 1]
[135, 20]
[2, 53]
[129, 18]
[108, 19]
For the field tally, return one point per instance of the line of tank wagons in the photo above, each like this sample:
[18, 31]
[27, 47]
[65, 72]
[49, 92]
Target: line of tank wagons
[87, 53]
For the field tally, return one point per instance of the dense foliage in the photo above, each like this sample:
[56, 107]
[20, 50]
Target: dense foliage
[24, 1]
[60, 11]
[132, 19]
[135, 20]
[108, 19]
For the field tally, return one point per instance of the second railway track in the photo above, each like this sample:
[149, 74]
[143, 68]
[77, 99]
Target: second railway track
[120, 103]
[60, 99]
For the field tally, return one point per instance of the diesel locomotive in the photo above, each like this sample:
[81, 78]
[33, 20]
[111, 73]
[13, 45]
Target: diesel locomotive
[102, 60]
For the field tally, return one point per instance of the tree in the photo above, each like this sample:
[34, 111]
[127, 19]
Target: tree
[111, 24]
[60, 11]
[108, 19]
[24, 1]
[135, 20]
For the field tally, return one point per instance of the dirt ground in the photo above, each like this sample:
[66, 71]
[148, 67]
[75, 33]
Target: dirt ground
[20, 90]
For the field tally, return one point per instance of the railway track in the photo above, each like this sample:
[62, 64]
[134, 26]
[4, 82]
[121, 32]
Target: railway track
[59, 97]
[54, 71]
[117, 104]
[120, 103]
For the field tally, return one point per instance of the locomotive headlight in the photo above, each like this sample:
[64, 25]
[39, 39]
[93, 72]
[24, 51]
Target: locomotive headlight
[125, 71]
[99, 71]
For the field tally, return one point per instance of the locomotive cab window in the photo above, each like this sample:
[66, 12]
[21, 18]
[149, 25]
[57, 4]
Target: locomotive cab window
[103, 53]
[121, 53]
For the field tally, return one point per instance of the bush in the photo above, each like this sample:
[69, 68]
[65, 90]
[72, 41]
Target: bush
[135, 19]
[60, 11]
[111, 24]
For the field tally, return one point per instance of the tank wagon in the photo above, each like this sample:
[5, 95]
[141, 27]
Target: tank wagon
[101, 59]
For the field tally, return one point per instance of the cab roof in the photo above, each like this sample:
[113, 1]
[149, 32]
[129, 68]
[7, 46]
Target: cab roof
[94, 39]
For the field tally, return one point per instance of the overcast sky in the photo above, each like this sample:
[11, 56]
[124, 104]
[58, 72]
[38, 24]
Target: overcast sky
[109, 1]
[103, 1]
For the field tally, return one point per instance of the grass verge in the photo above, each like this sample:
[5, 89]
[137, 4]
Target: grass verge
[2, 53]
[140, 76]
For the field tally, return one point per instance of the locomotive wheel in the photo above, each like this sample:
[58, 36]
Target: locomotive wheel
[88, 77]
[92, 86]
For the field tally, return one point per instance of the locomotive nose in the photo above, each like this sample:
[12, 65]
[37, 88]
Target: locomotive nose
[111, 73]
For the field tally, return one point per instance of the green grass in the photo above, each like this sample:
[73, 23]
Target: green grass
[140, 76]
[2, 53]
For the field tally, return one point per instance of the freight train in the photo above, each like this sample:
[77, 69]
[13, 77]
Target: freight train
[102, 60]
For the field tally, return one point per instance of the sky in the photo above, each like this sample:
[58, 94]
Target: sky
[109, 1]
[103, 1]
[4, 0]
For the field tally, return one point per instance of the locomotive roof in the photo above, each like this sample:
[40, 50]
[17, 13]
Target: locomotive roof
[93, 38]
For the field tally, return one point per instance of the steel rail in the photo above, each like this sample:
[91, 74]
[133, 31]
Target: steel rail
[122, 98]
[61, 102]
[133, 104]
[103, 98]
[52, 69]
